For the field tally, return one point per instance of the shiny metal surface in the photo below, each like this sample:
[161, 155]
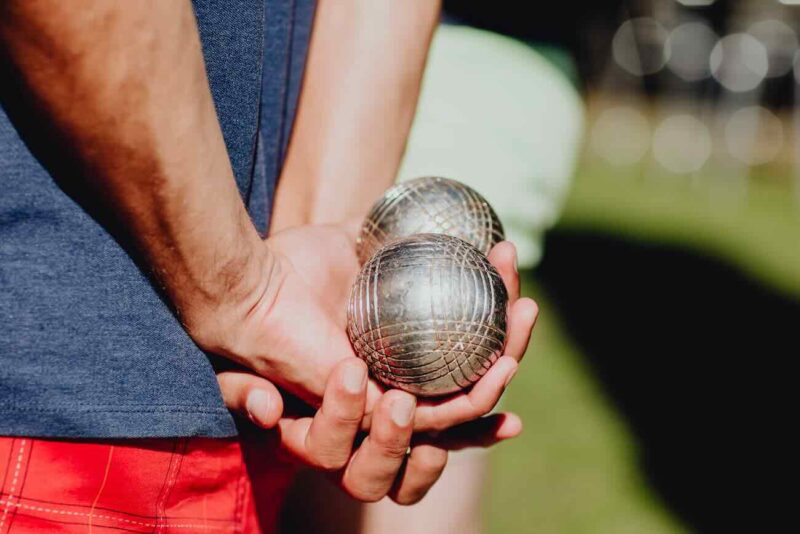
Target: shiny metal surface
[428, 314]
[430, 205]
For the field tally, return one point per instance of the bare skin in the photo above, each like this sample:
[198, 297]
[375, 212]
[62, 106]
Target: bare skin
[121, 89]
[360, 91]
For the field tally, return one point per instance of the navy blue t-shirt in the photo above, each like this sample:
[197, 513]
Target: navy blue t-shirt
[88, 348]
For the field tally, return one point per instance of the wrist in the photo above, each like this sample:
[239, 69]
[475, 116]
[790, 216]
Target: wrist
[214, 316]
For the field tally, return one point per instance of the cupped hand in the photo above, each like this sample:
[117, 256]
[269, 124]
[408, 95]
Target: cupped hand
[296, 333]
[390, 460]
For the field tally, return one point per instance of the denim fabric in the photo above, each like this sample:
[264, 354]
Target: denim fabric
[87, 346]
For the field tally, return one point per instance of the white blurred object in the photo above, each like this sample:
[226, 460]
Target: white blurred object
[496, 115]
[682, 144]
[640, 46]
[621, 135]
[781, 43]
[690, 45]
[739, 62]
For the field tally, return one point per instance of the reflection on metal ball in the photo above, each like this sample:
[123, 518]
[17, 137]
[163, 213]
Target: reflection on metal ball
[430, 205]
[428, 314]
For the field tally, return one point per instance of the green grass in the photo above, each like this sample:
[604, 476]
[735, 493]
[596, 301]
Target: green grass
[575, 469]
[759, 233]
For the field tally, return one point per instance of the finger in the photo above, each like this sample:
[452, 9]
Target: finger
[326, 440]
[483, 432]
[422, 469]
[504, 258]
[522, 317]
[330, 437]
[374, 467]
[252, 396]
[480, 400]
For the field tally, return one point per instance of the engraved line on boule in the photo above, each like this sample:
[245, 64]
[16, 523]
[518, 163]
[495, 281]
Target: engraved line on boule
[466, 337]
[399, 337]
[413, 356]
[413, 378]
[431, 299]
[429, 376]
[374, 281]
[366, 314]
[456, 265]
[421, 322]
[404, 191]
[460, 254]
[383, 208]
[483, 220]
[486, 315]
[474, 316]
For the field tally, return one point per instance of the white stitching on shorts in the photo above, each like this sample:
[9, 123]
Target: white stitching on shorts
[7, 504]
[161, 507]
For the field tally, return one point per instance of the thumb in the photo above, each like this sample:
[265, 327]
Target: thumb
[252, 396]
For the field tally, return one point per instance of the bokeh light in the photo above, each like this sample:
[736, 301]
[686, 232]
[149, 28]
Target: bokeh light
[681, 144]
[639, 46]
[754, 135]
[690, 45]
[621, 135]
[739, 62]
[781, 43]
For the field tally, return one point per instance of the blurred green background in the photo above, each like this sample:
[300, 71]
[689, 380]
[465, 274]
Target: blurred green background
[578, 466]
[658, 390]
[643, 155]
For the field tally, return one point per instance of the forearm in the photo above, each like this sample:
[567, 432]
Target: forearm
[359, 95]
[122, 89]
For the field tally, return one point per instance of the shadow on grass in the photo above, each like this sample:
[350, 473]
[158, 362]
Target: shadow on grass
[697, 358]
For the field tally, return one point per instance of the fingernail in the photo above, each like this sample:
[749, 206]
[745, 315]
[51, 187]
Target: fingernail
[258, 404]
[354, 378]
[403, 410]
[510, 377]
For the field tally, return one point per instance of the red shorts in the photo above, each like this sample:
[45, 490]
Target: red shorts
[178, 485]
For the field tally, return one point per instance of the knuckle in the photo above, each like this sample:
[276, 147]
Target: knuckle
[394, 450]
[485, 405]
[346, 418]
[330, 461]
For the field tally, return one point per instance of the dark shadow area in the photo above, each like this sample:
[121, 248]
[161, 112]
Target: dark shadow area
[697, 358]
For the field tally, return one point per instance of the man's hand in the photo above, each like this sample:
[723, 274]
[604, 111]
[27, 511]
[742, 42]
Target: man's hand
[388, 461]
[370, 470]
[295, 334]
